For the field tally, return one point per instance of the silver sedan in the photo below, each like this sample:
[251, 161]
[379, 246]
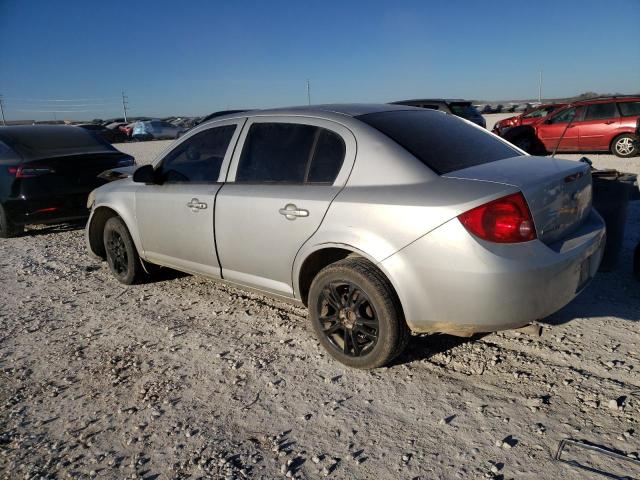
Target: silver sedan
[381, 219]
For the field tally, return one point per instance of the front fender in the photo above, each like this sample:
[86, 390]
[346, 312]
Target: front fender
[120, 202]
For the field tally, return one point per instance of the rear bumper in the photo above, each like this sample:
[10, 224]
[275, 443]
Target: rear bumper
[23, 211]
[451, 282]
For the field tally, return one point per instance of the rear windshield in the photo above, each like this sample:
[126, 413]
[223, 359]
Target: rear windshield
[442, 142]
[463, 109]
[39, 142]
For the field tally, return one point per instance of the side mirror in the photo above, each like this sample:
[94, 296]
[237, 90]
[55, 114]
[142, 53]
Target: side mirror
[145, 174]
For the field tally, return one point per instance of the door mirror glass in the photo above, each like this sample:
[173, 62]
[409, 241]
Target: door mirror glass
[145, 174]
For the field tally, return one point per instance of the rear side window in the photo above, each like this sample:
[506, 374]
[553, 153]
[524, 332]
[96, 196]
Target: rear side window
[327, 159]
[290, 153]
[443, 143]
[601, 111]
[629, 109]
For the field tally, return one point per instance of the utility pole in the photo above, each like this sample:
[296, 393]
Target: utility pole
[308, 93]
[4, 123]
[124, 106]
[540, 88]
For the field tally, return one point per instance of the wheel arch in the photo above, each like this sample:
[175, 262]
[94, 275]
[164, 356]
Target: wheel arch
[95, 229]
[618, 135]
[323, 255]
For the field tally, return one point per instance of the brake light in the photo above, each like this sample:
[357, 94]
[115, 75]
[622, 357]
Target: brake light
[30, 172]
[505, 220]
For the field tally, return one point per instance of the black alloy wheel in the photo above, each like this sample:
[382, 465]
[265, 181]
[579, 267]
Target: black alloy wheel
[117, 254]
[356, 314]
[349, 320]
[121, 253]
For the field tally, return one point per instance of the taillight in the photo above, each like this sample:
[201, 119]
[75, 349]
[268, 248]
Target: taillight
[30, 172]
[505, 220]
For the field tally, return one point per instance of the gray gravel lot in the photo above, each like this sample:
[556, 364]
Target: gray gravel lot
[186, 378]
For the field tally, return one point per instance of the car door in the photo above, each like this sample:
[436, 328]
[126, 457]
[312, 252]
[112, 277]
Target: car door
[560, 131]
[175, 216]
[280, 185]
[600, 123]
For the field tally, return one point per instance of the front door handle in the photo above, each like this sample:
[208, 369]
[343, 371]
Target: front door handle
[609, 122]
[196, 205]
[291, 212]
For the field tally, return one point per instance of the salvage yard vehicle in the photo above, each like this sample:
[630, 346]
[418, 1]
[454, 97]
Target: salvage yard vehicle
[381, 219]
[461, 108]
[47, 173]
[603, 124]
[155, 130]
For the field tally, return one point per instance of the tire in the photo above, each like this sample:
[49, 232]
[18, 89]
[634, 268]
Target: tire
[523, 142]
[636, 262]
[625, 146]
[7, 228]
[122, 256]
[354, 301]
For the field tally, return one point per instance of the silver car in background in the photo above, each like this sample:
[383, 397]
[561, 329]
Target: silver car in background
[381, 219]
[156, 130]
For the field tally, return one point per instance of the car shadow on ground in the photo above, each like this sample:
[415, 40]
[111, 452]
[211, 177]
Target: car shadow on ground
[611, 294]
[164, 274]
[424, 346]
[37, 230]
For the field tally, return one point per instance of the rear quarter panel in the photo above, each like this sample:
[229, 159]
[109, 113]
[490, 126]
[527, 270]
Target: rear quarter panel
[379, 221]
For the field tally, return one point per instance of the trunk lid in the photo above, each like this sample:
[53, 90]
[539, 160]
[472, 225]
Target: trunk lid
[558, 192]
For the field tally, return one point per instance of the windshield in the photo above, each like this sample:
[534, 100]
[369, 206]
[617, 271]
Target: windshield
[443, 143]
[540, 112]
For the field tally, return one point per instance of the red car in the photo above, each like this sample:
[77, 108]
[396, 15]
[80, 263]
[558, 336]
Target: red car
[527, 118]
[606, 124]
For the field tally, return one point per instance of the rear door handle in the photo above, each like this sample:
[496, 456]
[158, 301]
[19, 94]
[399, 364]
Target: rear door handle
[291, 212]
[609, 122]
[196, 205]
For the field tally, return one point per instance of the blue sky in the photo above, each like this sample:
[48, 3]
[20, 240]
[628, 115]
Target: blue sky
[195, 57]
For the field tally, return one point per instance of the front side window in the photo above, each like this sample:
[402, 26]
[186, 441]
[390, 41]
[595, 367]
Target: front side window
[444, 143]
[601, 111]
[629, 109]
[290, 153]
[199, 158]
[564, 116]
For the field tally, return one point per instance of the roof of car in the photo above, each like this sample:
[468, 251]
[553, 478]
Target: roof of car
[346, 109]
[422, 100]
[616, 98]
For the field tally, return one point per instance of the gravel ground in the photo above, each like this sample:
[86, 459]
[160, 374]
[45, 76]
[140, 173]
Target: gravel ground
[185, 378]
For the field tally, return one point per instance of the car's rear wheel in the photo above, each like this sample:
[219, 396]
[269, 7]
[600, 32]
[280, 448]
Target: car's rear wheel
[356, 315]
[122, 256]
[625, 146]
[7, 228]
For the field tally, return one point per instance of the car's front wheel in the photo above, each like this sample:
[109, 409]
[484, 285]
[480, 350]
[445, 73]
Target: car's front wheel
[122, 256]
[7, 228]
[625, 146]
[356, 315]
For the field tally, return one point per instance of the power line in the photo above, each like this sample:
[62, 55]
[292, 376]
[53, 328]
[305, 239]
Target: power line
[60, 99]
[65, 105]
[58, 111]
